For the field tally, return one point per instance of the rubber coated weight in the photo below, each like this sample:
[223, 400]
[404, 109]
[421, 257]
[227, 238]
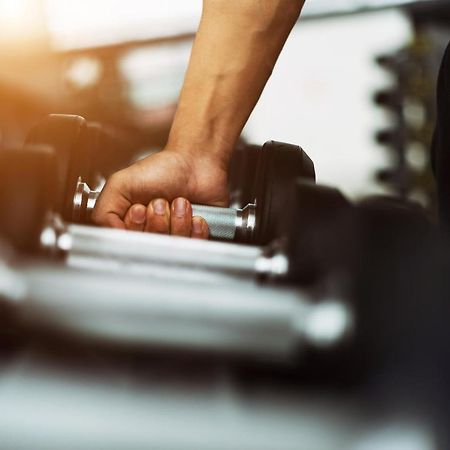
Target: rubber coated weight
[109, 150]
[250, 161]
[242, 174]
[27, 194]
[320, 232]
[280, 165]
[68, 136]
[94, 141]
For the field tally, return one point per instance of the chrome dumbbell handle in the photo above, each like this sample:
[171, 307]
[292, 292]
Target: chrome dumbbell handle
[228, 223]
[224, 223]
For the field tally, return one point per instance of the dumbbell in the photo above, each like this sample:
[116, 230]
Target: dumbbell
[276, 165]
[279, 165]
[82, 148]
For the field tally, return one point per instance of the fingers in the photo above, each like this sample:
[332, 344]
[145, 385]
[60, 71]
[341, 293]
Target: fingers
[135, 218]
[200, 229]
[158, 217]
[180, 218]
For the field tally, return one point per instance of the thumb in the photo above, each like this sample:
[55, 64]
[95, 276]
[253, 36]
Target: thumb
[112, 220]
[110, 209]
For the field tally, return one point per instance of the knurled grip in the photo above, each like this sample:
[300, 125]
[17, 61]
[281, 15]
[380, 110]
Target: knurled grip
[222, 222]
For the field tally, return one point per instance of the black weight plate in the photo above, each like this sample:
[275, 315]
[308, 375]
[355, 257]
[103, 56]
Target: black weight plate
[94, 146]
[242, 174]
[68, 136]
[105, 152]
[250, 162]
[27, 187]
[114, 149]
[280, 165]
[320, 232]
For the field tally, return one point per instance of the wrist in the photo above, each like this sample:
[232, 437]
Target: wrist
[201, 173]
[212, 152]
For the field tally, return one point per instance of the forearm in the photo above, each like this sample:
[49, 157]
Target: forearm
[236, 48]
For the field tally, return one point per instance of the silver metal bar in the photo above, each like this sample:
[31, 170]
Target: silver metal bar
[240, 318]
[133, 247]
[222, 222]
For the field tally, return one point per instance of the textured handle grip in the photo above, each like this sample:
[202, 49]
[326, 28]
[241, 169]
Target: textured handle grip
[221, 221]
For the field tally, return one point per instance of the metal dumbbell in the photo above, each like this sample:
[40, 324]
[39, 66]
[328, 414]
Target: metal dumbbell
[279, 166]
[224, 223]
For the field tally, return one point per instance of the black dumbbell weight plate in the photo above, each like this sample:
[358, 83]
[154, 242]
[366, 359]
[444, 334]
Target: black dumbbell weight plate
[242, 174]
[27, 187]
[68, 135]
[320, 232]
[280, 165]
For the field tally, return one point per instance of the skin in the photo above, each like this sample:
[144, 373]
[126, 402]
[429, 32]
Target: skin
[236, 47]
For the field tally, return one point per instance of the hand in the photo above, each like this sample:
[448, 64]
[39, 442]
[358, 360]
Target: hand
[151, 194]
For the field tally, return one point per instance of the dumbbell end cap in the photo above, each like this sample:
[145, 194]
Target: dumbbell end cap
[83, 202]
[246, 223]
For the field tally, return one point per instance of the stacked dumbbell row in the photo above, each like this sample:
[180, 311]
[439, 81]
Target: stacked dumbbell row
[76, 144]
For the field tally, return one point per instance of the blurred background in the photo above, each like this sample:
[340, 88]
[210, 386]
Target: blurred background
[354, 85]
